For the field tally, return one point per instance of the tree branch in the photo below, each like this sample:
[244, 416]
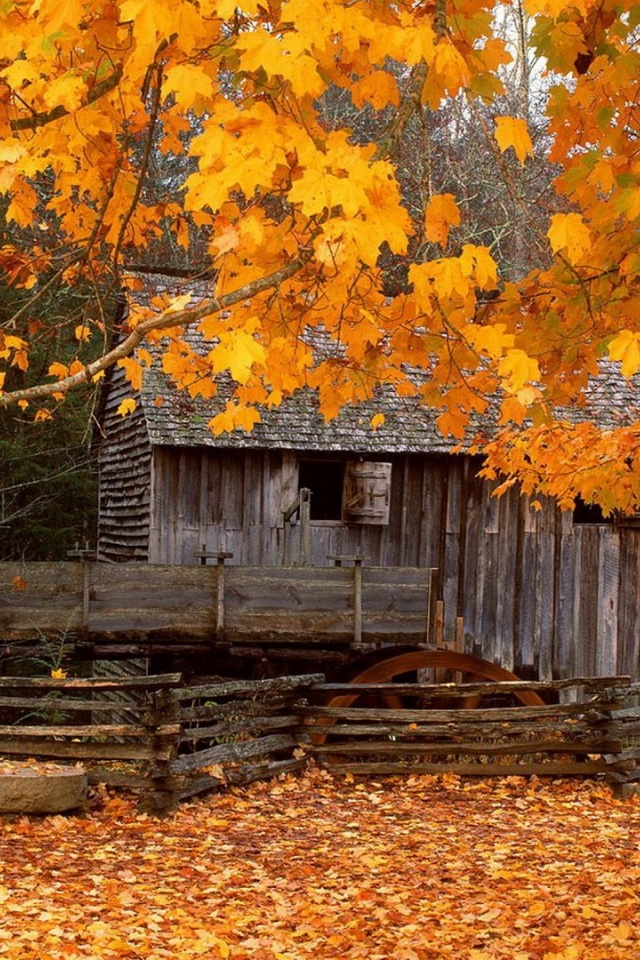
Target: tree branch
[43, 118]
[165, 321]
[410, 103]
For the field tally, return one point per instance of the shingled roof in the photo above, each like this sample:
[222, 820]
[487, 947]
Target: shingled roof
[409, 426]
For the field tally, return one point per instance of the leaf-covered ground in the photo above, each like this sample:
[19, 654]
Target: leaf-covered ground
[414, 869]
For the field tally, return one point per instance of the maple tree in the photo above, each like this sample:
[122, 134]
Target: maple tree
[422, 868]
[298, 220]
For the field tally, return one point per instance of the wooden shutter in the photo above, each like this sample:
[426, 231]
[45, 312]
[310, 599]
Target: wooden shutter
[367, 492]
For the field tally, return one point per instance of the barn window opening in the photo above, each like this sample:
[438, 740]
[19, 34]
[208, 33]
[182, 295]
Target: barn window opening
[325, 479]
[589, 513]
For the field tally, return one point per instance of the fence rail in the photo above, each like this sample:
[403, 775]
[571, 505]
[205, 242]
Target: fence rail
[174, 741]
[588, 726]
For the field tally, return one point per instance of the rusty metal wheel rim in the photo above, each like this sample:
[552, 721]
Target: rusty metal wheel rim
[386, 670]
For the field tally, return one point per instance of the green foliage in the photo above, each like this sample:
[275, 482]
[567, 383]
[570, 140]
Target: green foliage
[48, 484]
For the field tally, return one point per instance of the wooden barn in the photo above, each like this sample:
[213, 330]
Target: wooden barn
[544, 593]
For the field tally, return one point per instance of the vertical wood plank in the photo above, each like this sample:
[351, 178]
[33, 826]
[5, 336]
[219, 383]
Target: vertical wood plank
[578, 646]
[439, 625]
[586, 590]
[453, 538]
[469, 579]
[565, 664]
[357, 602]
[527, 602]
[629, 602]
[545, 591]
[608, 586]
[503, 652]
[486, 624]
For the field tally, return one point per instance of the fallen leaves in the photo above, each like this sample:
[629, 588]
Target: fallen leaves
[423, 867]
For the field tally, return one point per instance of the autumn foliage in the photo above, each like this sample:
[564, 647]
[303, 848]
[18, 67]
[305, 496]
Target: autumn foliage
[422, 868]
[298, 220]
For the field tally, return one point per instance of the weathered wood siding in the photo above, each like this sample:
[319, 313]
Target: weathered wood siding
[125, 479]
[234, 500]
[533, 592]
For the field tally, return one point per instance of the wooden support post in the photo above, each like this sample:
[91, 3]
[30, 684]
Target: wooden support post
[458, 645]
[439, 626]
[220, 598]
[305, 530]
[86, 596]
[357, 601]
[165, 709]
[429, 614]
[357, 561]
[219, 556]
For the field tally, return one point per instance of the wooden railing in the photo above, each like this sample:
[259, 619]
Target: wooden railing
[73, 721]
[587, 727]
[300, 509]
[173, 741]
[170, 741]
[112, 610]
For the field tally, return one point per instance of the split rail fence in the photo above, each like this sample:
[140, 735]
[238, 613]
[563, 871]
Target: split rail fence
[173, 741]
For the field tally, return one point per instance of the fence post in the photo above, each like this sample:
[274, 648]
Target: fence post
[165, 709]
[623, 709]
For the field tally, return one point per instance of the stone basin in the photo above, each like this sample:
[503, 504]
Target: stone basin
[41, 787]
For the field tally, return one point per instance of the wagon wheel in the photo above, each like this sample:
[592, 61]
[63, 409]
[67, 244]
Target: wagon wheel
[478, 669]
[387, 670]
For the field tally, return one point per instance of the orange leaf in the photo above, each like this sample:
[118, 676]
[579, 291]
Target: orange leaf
[513, 132]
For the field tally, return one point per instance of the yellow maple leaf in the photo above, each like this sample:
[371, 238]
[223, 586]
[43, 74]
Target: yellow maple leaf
[512, 410]
[491, 339]
[82, 332]
[58, 370]
[513, 132]
[126, 407]
[450, 277]
[377, 420]
[132, 371]
[441, 214]
[188, 77]
[448, 73]
[68, 91]
[14, 343]
[452, 423]
[569, 233]
[11, 151]
[20, 360]
[478, 263]
[379, 88]
[237, 352]
[626, 349]
[235, 416]
[517, 368]
[550, 8]
[627, 202]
